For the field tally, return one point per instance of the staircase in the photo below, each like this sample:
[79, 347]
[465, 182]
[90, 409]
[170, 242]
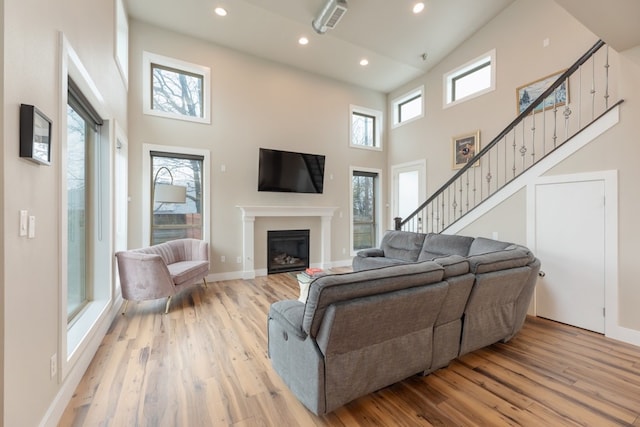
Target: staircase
[574, 108]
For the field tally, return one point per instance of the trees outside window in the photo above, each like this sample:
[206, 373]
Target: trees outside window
[172, 221]
[176, 89]
[364, 217]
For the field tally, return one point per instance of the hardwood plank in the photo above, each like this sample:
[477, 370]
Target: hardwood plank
[205, 363]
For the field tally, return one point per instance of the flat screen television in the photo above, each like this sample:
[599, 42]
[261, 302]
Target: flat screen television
[290, 172]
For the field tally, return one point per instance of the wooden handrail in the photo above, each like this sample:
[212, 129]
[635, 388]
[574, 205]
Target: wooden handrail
[398, 222]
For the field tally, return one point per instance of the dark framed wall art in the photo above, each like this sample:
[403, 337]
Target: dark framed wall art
[464, 148]
[35, 135]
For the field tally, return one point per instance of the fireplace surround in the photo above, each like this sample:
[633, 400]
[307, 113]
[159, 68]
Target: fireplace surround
[251, 213]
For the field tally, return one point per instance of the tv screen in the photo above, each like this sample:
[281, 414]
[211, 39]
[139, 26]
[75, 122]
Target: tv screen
[286, 171]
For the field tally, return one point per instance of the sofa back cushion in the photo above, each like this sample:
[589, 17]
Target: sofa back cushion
[403, 245]
[438, 245]
[335, 288]
[481, 245]
[512, 257]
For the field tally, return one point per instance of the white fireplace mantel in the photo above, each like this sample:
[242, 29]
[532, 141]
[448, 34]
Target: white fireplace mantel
[250, 213]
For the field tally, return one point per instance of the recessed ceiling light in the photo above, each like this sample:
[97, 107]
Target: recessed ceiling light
[364, 62]
[303, 41]
[418, 7]
[220, 11]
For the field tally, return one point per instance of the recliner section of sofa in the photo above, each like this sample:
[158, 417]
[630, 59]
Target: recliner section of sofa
[409, 307]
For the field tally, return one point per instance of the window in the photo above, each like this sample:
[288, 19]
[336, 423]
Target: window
[365, 128]
[473, 79]
[176, 220]
[185, 167]
[176, 89]
[82, 157]
[365, 209]
[408, 107]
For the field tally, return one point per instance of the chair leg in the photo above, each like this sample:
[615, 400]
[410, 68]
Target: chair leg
[166, 309]
[204, 279]
[124, 309]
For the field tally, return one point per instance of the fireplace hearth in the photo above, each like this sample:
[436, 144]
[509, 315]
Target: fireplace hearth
[287, 250]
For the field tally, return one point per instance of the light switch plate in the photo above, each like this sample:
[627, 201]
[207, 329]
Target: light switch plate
[23, 222]
[32, 227]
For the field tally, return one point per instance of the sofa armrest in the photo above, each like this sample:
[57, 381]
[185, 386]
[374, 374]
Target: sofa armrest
[289, 315]
[371, 252]
[500, 260]
[143, 276]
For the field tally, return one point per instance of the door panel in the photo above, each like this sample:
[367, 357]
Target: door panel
[409, 188]
[570, 242]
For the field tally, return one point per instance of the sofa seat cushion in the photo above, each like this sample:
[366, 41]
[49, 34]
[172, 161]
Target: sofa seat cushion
[368, 263]
[186, 272]
[438, 245]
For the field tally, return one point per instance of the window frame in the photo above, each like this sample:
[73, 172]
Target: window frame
[378, 220]
[146, 188]
[397, 103]
[465, 70]
[188, 68]
[78, 335]
[157, 155]
[377, 127]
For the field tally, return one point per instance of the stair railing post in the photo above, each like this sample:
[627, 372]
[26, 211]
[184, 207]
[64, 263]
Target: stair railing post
[397, 223]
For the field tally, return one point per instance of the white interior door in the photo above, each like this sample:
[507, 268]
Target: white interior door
[409, 188]
[570, 243]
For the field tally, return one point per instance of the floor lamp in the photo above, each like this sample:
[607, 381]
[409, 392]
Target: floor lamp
[166, 193]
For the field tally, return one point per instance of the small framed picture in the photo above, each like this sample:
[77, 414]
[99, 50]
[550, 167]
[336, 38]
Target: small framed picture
[35, 135]
[528, 93]
[464, 148]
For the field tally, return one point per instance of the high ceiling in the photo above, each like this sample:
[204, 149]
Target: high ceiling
[385, 32]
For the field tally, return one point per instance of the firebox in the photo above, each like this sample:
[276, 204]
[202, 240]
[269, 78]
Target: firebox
[287, 250]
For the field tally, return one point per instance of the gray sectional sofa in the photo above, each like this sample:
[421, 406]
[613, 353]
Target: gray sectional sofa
[409, 307]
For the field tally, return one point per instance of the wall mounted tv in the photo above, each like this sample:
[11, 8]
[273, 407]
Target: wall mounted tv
[290, 172]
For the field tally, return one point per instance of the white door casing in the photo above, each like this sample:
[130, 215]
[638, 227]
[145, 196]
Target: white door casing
[609, 241]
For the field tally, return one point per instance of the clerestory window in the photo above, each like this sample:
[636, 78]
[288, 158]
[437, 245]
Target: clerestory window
[470, 80]
[176, 89]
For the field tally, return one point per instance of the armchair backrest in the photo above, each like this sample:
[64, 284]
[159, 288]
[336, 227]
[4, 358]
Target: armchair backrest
[179, 250]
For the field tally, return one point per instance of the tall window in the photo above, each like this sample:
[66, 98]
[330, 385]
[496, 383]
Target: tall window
[176, 89]
[175, 219]
[408, 107]
[471, 79]
[364, 188]
[365, 128]
[82, 140]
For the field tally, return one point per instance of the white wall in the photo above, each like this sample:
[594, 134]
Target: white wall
[2, 226]
[255, 103]
[31, 267]
[518, 34]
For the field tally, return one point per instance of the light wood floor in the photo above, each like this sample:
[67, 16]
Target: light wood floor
[206, 364]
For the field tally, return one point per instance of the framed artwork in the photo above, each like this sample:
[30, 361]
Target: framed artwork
[35, 135]
[464, 148]
[528, 93]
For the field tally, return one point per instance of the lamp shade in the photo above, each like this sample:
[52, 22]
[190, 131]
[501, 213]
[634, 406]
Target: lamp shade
[169, 193]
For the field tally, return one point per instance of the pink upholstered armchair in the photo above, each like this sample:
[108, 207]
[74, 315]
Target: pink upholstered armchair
[161, 271]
